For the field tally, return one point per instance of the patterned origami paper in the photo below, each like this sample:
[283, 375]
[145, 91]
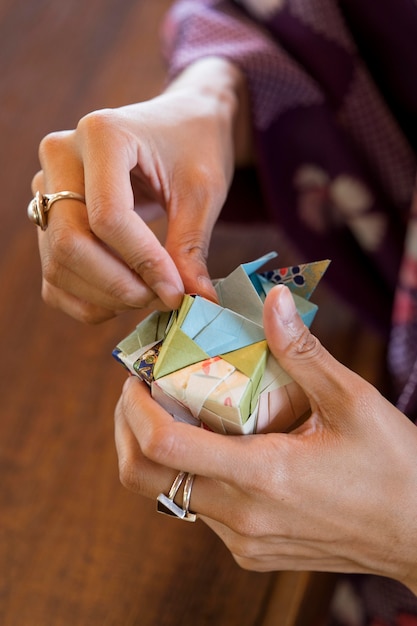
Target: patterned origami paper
[209, 364]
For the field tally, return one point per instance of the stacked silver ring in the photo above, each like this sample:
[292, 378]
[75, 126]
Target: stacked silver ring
[166, 504]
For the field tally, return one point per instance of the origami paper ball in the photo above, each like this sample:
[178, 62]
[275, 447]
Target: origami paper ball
[209, 364]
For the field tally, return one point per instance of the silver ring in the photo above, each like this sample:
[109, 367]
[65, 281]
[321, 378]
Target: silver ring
[176, 485]
[186, 497]
[41, 203]
[167, 506]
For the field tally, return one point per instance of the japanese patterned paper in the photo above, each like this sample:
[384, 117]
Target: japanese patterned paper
[209, 364]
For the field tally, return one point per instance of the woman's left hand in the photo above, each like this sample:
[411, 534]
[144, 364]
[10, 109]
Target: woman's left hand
[336, 494]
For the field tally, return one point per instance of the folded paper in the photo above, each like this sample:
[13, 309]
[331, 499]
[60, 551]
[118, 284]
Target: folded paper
[209, 364]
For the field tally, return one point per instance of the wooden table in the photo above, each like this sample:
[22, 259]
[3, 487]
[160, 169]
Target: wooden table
[75, 547]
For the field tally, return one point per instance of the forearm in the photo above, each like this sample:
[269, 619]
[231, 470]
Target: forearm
[221, 85]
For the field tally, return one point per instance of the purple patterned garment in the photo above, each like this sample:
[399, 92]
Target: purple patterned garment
[334, 107]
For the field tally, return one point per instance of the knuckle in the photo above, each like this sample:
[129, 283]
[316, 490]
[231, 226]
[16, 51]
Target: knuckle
[122, 291]
[158, 444]
[103, 219]
[148, 264]
[91, 315]
[129, 476]
[97, 131]
[191, 247]
[51, 271]
[100, 220]
[37, 182]
[51, 144]
[96, 123]
[48, 293]
[63, 246]
[303, 342]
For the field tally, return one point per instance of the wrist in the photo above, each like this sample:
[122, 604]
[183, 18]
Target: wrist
[405, 511]
[221, 84]
[410, 581]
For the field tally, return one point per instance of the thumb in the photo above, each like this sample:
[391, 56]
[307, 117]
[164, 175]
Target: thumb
[323, 379]
[187, 242]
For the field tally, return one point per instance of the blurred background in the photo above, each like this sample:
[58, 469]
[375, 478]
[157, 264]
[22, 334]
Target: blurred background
[75, 546]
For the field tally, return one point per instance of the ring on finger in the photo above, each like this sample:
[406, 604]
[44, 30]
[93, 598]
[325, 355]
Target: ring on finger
[39, 206]
[166, 504]
[189, 516]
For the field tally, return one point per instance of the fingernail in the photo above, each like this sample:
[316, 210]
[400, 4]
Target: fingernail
[206, 287]
[170, 294]
[284, 304]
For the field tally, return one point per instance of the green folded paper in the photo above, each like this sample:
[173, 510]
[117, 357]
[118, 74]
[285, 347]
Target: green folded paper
[209, 363]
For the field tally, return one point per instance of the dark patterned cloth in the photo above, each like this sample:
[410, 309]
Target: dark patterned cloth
[334, 104]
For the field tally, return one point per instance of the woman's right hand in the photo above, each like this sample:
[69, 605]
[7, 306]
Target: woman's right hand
[336, 494]
[176, 150]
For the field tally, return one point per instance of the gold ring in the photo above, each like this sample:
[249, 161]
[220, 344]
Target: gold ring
[39, 205]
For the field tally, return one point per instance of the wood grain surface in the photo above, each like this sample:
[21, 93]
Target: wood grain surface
[75, 547]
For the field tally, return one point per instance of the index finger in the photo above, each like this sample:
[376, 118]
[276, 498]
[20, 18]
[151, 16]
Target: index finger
[109, 155]
[175, 444]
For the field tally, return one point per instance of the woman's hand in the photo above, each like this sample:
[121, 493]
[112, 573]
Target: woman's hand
[336, 494]
[177, 150]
